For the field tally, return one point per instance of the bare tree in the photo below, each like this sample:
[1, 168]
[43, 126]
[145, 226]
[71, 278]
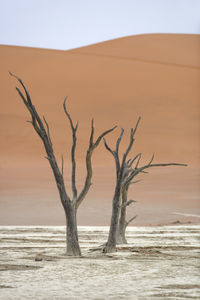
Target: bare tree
[120, 169]
[125, 174]
[70, 205]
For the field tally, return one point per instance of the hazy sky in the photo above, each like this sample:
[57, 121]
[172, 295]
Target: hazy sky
[66, 24]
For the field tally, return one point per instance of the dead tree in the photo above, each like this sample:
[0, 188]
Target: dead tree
[110, 246]
[70, 205]
[125, 174]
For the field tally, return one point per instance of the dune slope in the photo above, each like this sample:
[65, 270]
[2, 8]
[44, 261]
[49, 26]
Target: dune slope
[155, 76]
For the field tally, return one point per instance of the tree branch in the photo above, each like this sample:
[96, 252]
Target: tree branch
[129, 221]
[74, 128]
[73, 149]
[131, 161]
[92, 146]
[102, 136]
[135, 172]
[26, 92]
[115, 152]
[44, 135]
[162, 165]
[119, 141]
[48, 132]
[132, 134]
[138, 161]
[62, 166]
[136, 126]
[128, 148]
[108, 148]
[128, 203]
[92, 133]
[151, 159]
[133, 182]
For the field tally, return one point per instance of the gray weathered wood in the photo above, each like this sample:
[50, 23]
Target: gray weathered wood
[70, 205]
[110, 246]
[125, 175]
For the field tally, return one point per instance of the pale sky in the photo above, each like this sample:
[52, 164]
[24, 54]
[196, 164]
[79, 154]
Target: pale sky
[67, 24]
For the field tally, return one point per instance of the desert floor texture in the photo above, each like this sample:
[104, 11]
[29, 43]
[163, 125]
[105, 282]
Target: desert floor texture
[158, 263]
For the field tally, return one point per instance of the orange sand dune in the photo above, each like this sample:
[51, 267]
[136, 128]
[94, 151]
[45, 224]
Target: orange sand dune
[155, 76]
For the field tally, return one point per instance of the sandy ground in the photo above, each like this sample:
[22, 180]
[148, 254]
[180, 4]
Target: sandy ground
[155, 76]
[157, 263]
[27, 201]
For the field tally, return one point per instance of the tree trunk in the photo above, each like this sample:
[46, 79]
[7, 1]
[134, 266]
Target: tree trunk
[112, 238]
[73, 248]
[121, 232]
[121, 239]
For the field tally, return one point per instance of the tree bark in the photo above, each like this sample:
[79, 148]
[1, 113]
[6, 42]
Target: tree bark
[110, 246]
[121, 239]
[73, 248]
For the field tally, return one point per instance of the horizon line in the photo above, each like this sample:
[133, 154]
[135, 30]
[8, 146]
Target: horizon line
[100, 42]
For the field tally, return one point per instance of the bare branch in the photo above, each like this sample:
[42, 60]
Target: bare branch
[92, 133]
[133, 182]
[141, 169]
[129, 147]
[136, 126]
[108, 148]
[115, 152]
[90, 150]
[62, 166]
[128, 161]
[132, 134]
[119, 141]
[36, 121]
[26, 92]
[44, 135]
[138, 161]
[102, 135]
[48, 158]
[131, 161]
[128, 203]
[35, 117]
[33, 122]
[48, 132]
[74, 128]
[145, 172]
[22, 96]
[129, 221]
[73, 149]
[152, 159]
[161, 165]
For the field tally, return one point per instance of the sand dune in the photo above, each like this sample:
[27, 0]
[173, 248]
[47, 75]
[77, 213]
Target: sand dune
[155, 76]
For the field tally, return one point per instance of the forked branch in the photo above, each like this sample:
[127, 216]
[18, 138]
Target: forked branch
[92, 146]
[132, 135]
[44, 134]
[73, 149]
[142, 169]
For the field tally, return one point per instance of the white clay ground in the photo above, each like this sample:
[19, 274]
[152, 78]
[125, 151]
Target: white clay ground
[157, 263]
